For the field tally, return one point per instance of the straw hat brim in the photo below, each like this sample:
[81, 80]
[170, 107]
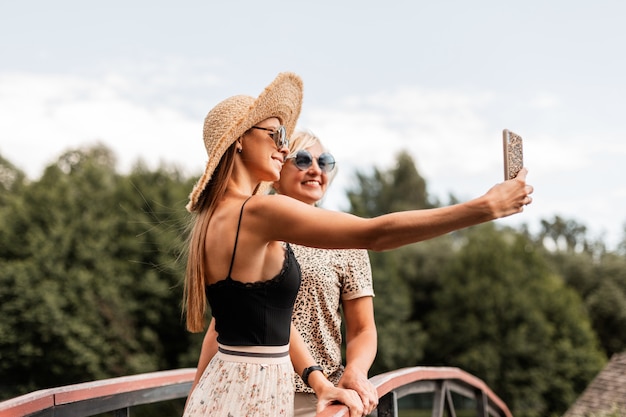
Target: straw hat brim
[231, 118]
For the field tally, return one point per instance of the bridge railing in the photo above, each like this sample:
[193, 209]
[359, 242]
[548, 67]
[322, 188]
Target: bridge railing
[119, 395]
[440, 383]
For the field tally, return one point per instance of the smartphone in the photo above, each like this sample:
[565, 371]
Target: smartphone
[513, 154]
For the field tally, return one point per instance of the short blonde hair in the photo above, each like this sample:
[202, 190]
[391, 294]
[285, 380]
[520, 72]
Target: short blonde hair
[302, 139]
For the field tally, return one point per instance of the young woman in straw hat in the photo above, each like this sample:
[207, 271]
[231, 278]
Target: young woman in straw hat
[333, 280]
[238, 262]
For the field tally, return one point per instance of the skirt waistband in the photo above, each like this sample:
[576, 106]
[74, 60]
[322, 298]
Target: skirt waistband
[255, 354]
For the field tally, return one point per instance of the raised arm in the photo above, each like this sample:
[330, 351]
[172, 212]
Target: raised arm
[280, 218]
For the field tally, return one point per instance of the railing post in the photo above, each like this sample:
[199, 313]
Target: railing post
[123, 412]
[439, 399]
[481, 403]
[443, 400]
[449, 402]
[388, 405]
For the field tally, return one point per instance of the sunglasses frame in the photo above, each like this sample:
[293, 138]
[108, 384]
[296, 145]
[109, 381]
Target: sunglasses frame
[279, 136]
[325, 167]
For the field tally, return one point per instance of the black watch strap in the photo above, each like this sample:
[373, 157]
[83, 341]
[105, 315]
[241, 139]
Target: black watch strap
[307, 372]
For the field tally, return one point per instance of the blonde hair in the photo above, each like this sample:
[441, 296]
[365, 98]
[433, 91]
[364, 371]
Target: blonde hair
[303, 139]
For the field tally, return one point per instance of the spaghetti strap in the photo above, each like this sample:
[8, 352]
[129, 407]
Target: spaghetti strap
[232, 259]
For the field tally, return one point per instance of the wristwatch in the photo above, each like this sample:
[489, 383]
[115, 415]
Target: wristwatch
[307, 372]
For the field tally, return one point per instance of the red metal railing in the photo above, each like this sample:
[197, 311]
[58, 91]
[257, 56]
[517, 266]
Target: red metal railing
[440, 381]
[121, 394]
[96, 397]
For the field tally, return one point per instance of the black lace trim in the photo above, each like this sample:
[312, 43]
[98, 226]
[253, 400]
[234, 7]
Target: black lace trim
[259, 284]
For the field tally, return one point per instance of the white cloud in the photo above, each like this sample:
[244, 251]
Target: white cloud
[431, 124]
[50, 114]
[454, 137]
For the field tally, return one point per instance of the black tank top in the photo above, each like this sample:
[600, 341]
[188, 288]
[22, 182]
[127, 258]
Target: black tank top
[258, 313]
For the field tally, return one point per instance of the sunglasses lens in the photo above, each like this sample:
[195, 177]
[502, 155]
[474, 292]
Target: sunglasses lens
[303, 160]
[326, 162]
[280, 137]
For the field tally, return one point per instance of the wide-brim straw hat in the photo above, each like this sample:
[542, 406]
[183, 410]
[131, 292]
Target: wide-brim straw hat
[231, 118]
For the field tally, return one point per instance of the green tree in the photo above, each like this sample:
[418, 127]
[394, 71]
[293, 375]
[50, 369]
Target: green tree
[601, 282]
[400, 339]
[11, 179]
[564, 234]
[621, 247]
[157, 200]
[12, 182]
[397, 189]
[89, 282]
[503, 314]
[597, 275]
[486, 299]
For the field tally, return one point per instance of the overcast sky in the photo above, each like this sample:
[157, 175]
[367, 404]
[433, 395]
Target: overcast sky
[439, 79]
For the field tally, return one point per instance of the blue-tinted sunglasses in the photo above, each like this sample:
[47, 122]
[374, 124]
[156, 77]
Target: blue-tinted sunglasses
[303, 160]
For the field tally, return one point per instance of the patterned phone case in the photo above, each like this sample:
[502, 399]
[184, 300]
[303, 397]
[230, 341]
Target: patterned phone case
[513, 154]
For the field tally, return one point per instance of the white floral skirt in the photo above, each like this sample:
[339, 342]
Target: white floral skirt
[250, 381]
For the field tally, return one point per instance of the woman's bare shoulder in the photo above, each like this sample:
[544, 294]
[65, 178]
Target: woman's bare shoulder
[273, 203]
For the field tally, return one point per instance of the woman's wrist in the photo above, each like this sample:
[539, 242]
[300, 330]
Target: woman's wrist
[319, 383]
[307, 372]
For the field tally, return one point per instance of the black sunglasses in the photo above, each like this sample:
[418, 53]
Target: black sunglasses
[303, 160]
[279, 135]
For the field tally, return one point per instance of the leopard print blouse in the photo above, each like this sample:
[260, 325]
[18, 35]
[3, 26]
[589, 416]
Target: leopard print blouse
[328, 277]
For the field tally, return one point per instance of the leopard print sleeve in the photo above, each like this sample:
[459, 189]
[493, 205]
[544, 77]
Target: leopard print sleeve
[357, 275]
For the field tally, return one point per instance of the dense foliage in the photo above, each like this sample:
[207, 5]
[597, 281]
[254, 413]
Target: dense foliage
[535, 324]
[91, 283]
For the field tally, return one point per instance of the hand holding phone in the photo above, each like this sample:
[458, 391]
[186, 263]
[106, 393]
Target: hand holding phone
[513, 154]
